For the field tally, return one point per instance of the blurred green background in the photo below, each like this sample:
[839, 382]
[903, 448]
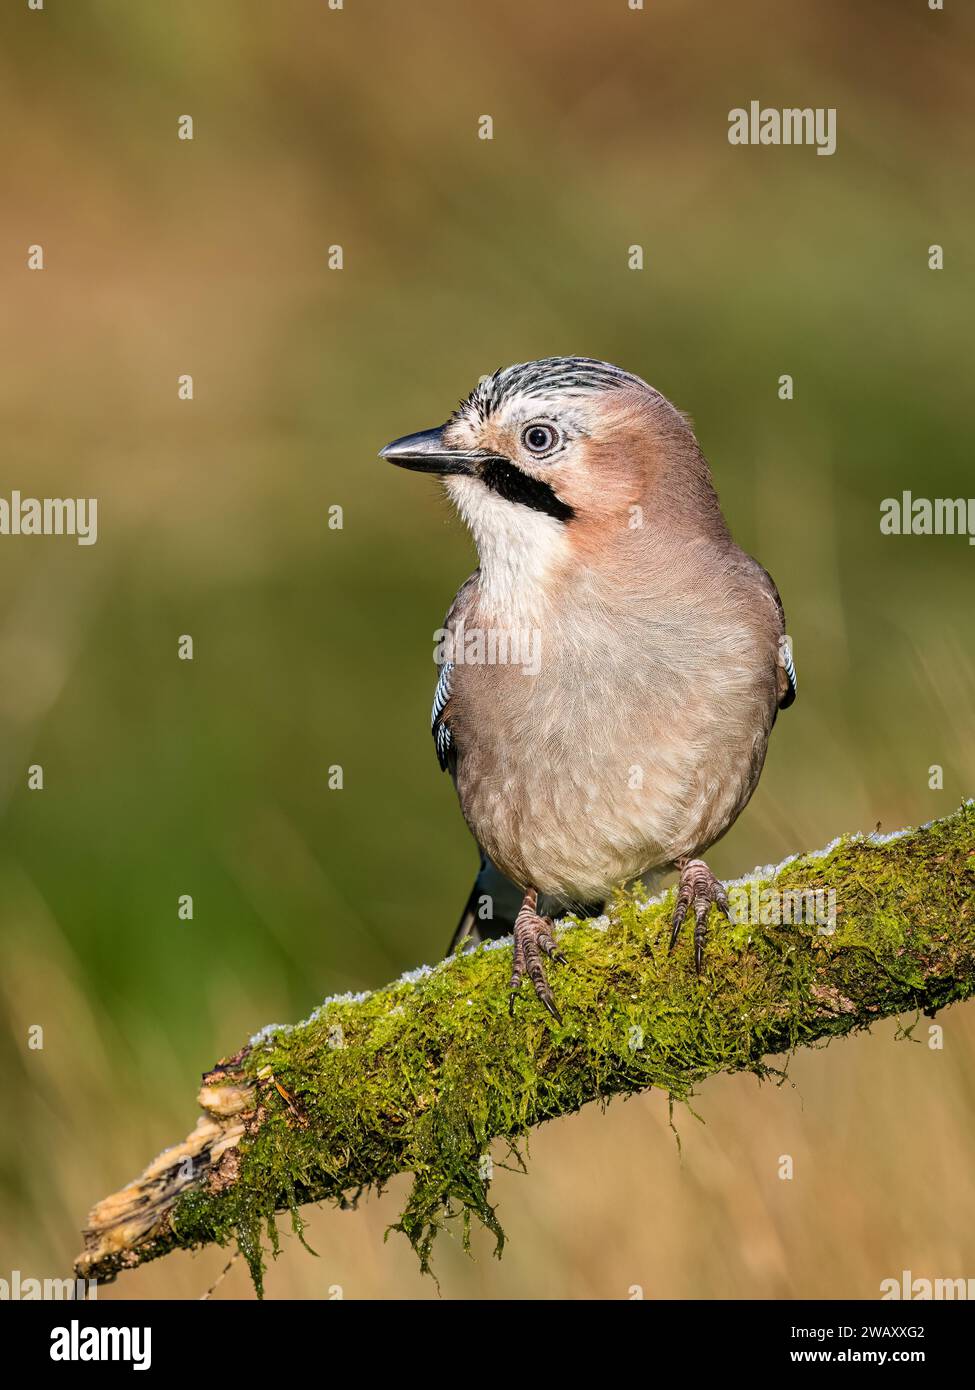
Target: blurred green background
[313, 646]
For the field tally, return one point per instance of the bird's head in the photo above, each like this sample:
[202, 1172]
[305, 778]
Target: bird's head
[559, 455]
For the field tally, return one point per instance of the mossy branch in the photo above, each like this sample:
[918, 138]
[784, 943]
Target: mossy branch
[422, 1075]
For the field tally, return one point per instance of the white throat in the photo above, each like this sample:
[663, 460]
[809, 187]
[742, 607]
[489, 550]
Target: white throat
[519, 550]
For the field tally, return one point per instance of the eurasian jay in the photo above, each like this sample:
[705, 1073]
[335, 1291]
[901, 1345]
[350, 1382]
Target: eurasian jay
[612, 670]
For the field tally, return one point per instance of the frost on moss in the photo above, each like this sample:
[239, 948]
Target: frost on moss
[423, 1075]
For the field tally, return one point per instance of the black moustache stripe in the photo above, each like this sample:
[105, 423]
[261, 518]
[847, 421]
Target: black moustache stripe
[514, 486]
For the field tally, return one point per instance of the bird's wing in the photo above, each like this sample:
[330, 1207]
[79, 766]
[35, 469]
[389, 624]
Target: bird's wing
[443, 737]
[788, 683]
[439, 723]
[787, 695]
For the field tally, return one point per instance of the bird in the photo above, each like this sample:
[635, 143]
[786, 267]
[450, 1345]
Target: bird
[611, 671]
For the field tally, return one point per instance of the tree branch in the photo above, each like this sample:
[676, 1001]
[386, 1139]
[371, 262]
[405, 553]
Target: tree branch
[422, 1075]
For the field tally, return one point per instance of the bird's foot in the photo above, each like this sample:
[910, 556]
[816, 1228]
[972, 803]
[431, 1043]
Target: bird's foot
[533, 936]
[699, 888]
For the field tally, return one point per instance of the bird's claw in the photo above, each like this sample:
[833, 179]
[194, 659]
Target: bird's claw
[533, 938]
[699, 888]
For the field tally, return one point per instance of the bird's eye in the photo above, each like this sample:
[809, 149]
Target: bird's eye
[539, 439]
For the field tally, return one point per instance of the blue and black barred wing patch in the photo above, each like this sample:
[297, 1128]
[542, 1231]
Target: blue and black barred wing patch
[438, 722]
[790, 671]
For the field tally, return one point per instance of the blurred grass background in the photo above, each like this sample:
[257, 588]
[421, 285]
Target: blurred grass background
[313, 646]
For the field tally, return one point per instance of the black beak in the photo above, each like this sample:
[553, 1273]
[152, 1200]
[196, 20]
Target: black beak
[426, 452]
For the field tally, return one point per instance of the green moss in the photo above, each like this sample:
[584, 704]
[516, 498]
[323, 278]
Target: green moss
[427, 1074]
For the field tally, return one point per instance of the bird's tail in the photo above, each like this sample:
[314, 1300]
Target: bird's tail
[493, 905]
[490, 910]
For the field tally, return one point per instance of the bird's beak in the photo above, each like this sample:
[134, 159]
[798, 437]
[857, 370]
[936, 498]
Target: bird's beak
[426, 452]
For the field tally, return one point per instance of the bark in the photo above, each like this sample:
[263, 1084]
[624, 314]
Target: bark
[422, 1075]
